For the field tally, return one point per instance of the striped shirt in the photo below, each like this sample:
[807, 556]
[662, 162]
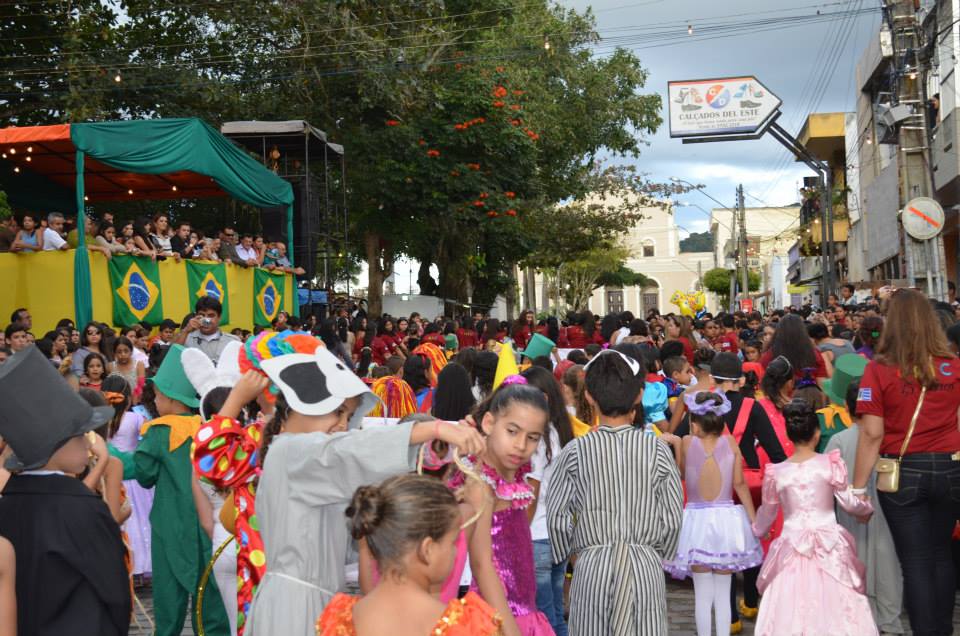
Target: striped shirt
[616, 501]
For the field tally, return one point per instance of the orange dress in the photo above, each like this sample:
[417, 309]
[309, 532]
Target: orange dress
[468, 616]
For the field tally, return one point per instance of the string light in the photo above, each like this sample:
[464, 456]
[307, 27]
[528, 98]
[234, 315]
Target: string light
[4, 155]
[117, 78]
[29, 158]
[13, 151]
[689, 29]
[86, 198]
[16, 169]
[174, 188]
[913, 75]
[129, 191]
[546, 43]
[29, 148]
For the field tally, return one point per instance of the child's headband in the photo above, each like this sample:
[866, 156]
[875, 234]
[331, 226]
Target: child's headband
[633, 364]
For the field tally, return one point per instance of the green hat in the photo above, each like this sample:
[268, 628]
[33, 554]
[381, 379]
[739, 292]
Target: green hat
[451, 342]
[172, 381]
[539, 345]
[846, 369]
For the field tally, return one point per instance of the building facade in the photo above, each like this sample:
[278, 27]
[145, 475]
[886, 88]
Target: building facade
[654, 246]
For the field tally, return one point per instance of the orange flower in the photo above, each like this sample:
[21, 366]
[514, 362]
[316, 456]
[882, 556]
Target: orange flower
[484, 195]
[499, 91]
[498, 104]
[392, 122]
[515, 122]
[422, 142]
[500, 69]
[454, 173]
[433, 153]
[515, 107]
[511, 213]
[473, 166]
[458, 66]
[518, 92]
[509, 195]
[478, 204]
[458, 126]
[492, 214]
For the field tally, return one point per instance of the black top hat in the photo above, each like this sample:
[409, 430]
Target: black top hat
[726, 366]
[41, 412]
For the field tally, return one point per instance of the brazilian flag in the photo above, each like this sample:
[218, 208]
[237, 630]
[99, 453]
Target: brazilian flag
[209, 279]
[135, 281]
[267, 296]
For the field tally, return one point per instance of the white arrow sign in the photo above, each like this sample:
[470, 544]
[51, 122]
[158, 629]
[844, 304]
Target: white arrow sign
[716, 107]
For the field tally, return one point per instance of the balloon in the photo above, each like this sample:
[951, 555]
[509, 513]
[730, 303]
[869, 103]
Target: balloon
[691, 304]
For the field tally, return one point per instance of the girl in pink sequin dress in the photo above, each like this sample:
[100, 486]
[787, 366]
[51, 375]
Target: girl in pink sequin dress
[812, 581]
[501, 548]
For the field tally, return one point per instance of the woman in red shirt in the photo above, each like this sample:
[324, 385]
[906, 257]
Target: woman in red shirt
[680, 328]
[522, 330]
[913, 362]
[491, 331]
[793, 343]
[466, 334]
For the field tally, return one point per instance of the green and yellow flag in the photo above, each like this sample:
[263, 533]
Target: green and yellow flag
[135, 281]
[267, 296]
[209, 279]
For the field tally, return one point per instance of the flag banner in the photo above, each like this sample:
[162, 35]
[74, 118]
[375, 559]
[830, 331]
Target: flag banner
[135, 281]
[267, 296]
[209, 279]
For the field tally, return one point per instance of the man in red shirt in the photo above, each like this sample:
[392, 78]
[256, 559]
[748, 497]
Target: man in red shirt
[726, 342]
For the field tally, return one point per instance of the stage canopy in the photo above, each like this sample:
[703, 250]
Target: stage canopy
[59, 167]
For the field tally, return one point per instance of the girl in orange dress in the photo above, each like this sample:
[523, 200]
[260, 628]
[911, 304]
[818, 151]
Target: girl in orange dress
[410, 524]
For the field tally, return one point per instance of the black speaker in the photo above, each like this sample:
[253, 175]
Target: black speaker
[273, 222]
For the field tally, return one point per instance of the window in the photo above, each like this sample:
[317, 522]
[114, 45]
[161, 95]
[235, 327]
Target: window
[648, 249]
[615, 302]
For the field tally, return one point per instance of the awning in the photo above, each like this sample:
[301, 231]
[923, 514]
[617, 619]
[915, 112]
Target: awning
[59, 167]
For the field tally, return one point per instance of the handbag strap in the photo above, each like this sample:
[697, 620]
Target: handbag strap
[741, 426]
[913, 424]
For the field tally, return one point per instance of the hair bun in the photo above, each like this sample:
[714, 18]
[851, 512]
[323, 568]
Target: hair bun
[365, 511]
[801, 420]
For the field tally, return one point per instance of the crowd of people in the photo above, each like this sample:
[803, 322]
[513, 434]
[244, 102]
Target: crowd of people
[155, 237]
[464, 475]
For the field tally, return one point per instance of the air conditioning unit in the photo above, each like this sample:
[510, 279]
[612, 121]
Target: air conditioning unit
[890, 116]
[886, 42]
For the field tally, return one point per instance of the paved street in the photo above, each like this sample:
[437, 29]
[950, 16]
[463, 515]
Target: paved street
[679, 600]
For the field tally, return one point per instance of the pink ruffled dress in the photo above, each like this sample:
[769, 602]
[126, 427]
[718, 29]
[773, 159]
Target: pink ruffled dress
[513, 548]
[812, 581]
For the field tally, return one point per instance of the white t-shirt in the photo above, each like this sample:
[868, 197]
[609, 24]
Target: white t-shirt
[52, 241]
[619, 334]
[541, 471]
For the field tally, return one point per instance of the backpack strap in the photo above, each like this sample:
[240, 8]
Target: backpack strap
[741, 426]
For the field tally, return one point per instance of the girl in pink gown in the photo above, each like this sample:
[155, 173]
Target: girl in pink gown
[812, 581]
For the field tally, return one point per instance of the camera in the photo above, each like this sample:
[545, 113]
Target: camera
[206, 322]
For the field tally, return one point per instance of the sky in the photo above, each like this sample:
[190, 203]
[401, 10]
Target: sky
[790, 60]
[810, 66]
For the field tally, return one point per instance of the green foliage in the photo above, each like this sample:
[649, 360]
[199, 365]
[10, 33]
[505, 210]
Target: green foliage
[390, 82]
[697, 242]
[718, 279]
[5, 210]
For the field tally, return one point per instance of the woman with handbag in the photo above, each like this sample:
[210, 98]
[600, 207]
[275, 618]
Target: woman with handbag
[908, 401]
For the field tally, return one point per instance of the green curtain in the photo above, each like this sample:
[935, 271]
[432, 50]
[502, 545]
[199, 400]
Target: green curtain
[82, 292]
[159, 146]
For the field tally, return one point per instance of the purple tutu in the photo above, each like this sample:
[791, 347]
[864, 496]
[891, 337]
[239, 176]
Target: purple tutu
[716, 537]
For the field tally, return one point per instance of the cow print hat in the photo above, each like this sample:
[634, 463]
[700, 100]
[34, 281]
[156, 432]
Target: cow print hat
[318, 384]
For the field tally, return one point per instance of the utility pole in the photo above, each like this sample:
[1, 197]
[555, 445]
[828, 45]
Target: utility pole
[744, 261]
[733, 275]
[919, 258]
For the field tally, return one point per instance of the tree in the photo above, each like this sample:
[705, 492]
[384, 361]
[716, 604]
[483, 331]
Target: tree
[697, 242]
[718, 280]
[579, 278]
